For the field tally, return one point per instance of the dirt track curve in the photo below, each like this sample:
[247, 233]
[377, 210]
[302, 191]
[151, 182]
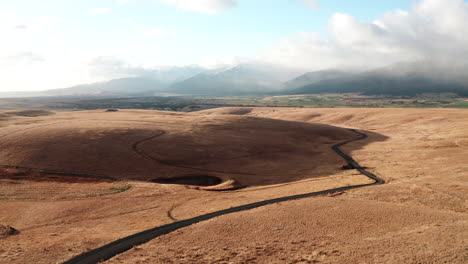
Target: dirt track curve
[119, 246]
[136, 149]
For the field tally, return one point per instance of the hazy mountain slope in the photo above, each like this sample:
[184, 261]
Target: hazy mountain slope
[400, 79]
[173, 74]
[372, 85]
[123, 87]
[144, 82]
[242, 79]
[21, 94]
[314, 77]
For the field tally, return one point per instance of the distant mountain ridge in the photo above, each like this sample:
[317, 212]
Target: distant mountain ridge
[139, 86]
[314, 77]
[399, 79]
[170, 75]
[241, 79]
[146, 83]
[259, 79]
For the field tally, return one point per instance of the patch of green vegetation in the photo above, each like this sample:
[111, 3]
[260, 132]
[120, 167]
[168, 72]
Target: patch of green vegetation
[186, 103]
[459, 104]
[356, 100]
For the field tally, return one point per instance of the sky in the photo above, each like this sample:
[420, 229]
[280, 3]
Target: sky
[59, 43]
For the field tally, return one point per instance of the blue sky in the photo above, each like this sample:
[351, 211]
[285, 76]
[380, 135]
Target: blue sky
[239, 31]
[64, 36]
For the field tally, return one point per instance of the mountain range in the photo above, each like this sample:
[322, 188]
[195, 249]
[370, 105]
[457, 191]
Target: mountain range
[408, 78]
[399, 79]
[238, 80]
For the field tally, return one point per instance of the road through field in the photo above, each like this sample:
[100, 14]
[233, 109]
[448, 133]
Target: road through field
[119, 246]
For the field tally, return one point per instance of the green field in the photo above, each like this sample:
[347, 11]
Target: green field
[342, 100]
[188, 103]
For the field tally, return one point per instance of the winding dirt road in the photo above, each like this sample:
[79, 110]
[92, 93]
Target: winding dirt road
[119, 246]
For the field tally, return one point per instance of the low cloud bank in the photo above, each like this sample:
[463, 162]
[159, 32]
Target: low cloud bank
[433, 30]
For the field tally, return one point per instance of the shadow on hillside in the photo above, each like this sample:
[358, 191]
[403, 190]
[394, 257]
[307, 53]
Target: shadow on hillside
[247, 151]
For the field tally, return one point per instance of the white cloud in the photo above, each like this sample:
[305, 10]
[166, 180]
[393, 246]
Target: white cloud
[204, 6]
[23, 58]
[108, 67]
[38, 48]
[214, 62]
[98, 11]
[124, 2]
[432, 29]
[312, 4]
[33, 58]
[20, 27]
[154, 32]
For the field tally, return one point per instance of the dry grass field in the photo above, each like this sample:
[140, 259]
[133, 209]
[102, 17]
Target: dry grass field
[73, 181]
